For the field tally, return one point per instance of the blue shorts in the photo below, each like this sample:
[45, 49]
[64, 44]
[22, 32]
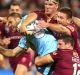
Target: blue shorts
[44, 69]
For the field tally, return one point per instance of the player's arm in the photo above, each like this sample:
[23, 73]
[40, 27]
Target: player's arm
[39, 61]
[76, 21]
[59, 28]
[13, 52]
[10, 52]
[54, 27]
[49, 58]
[31, 17]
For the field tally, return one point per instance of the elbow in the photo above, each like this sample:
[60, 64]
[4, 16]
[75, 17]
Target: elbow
[37, 63]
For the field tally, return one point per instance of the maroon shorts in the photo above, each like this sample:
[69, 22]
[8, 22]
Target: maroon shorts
[24, 59]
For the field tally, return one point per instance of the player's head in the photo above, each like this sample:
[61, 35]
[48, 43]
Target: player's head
[64, 15]
[51, 6]
[65, 42]
[13, 19]
[15, 8]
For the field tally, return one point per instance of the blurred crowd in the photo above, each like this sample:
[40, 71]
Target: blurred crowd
[5, 4]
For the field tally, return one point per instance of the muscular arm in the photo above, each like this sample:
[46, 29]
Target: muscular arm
[54, 27]
[59, 28]
[31, 17]
[10, 52]
[39, 61]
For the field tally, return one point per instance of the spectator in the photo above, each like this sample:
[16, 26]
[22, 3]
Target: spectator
[64, 3]
[75, 7]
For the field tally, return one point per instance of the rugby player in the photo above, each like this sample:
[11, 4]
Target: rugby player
[66, 25]
[41, 39]
[66, 58]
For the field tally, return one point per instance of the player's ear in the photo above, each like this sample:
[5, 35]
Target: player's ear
[68, 45]
[68, 21]
[57, 6]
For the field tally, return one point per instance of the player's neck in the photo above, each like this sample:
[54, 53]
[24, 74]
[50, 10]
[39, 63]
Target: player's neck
[70, 48]
[50, 16]
[67, 48]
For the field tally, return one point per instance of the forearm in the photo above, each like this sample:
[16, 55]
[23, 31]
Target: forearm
[59, 28]
[39, 61]
[31, 17]
[55, 27]
[10, 52]
[6, 52]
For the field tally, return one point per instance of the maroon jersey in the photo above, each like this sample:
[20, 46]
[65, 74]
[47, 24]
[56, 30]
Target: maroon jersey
[74, 34]
[67, 62]
[14, 36]
[2, 30]
[43, 16]
[23, 58]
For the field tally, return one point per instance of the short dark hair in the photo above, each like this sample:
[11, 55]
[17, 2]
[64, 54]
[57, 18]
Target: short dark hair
[15, 3]
[67, 39]
[54, 1]
[67, 11]
[15, 15]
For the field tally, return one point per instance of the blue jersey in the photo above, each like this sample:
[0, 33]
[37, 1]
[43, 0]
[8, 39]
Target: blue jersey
[44, 43]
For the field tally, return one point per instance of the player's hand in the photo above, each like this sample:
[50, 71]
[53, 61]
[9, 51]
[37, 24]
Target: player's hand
[6, 41]
[26, 31]
[37, 60]
[22, 30]
[3, 19]
[42, 24]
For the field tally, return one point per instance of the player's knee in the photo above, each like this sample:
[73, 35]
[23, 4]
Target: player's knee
[21, 70]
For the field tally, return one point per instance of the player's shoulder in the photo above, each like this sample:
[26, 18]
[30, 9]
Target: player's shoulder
[39, 11]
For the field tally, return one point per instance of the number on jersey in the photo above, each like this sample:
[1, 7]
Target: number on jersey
[76, 71]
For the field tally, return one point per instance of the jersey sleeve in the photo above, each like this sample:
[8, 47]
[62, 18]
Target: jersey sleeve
[23, 42]
[54, 55]
[71, 28]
